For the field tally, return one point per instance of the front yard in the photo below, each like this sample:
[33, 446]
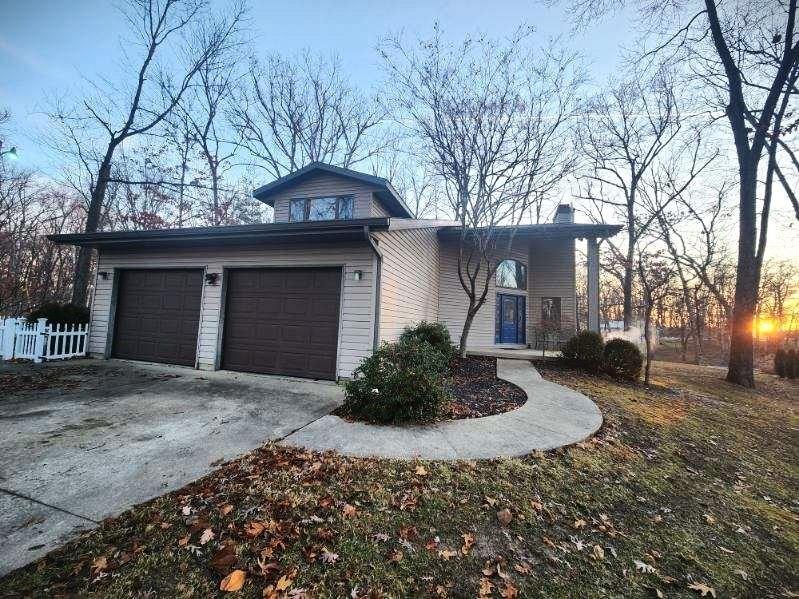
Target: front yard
[689, 489]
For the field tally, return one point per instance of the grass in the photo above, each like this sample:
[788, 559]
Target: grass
[689, 486]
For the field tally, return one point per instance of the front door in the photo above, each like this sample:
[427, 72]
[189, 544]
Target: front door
[510, 319]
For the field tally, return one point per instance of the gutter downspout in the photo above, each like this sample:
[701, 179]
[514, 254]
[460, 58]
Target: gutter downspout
[378, 271]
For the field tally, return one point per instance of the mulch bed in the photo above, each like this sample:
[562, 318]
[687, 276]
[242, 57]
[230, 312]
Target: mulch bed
[478, 392]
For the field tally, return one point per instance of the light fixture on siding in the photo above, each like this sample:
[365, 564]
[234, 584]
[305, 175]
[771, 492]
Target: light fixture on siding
[357, 275]
[211, 278]
[103, 275]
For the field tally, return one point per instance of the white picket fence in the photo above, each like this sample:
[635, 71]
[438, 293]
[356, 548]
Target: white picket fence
[39, 341]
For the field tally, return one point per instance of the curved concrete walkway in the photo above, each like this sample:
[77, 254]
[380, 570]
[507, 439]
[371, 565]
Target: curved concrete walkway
[553, 416]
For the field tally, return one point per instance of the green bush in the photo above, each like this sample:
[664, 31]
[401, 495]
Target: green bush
[791, 364]
[434, 333]
[779, 363]
[584, 350]
[60, 313]
[400, 382]
[622, 359]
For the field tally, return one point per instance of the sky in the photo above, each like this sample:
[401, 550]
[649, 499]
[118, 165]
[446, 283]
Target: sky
[49, 47]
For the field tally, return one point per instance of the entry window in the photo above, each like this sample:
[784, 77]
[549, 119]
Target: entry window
[550, 311]
[324, 208]
[511, 274]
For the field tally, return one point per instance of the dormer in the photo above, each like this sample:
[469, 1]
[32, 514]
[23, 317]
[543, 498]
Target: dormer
[324, 192]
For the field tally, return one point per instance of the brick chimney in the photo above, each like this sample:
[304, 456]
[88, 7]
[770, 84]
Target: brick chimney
[564, 214]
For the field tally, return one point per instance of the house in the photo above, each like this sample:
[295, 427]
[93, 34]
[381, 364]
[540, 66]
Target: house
[343, 267]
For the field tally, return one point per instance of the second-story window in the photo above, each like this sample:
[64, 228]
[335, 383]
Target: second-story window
[324, 208]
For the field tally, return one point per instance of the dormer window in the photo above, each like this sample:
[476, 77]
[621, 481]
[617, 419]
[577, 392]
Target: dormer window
[324, 208]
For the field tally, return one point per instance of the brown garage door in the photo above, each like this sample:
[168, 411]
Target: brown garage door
[158, 315]
[282, 321]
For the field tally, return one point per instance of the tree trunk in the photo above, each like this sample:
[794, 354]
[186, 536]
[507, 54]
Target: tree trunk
[80, 280]
[467, 326]
[648, 341]
[741, 363]
[627, 287]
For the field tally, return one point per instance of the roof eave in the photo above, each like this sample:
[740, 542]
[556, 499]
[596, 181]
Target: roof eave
[272, 232]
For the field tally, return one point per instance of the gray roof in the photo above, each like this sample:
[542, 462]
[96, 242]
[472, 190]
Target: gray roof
[329, 231]
[547, 231]
[387, 194]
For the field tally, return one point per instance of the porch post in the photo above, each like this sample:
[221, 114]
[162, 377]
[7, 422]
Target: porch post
[593, 284]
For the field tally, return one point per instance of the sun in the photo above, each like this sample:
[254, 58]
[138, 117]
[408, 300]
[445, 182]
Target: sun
[766, 326]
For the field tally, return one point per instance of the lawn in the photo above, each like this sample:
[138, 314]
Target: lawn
[689, 489]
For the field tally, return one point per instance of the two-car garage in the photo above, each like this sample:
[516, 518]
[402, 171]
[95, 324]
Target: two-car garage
[275, 320]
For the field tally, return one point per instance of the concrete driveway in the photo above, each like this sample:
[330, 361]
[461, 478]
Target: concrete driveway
[88, 439]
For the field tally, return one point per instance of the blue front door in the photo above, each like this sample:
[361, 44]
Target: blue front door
[510, 319]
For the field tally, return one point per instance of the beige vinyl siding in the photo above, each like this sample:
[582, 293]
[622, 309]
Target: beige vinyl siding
[356, 334]
[551, 273]
[326, 184]
[454, 303]
[408, 279]
[378, 210]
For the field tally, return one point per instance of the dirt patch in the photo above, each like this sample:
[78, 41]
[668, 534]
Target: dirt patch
[477, 391]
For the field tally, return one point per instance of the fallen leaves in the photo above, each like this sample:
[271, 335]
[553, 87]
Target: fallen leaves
[598, 553]
[702, 589]
[224, 559]
[446, 554]
[254, 529]
[208, 535]
[349, 511]
[99, 565]
[504, 516]
[643, 567]
[468, 543]
[420, 470]
[233, 581]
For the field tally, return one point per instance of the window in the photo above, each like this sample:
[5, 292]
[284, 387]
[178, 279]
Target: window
[512, 274]
[325, 208]
[550, 311]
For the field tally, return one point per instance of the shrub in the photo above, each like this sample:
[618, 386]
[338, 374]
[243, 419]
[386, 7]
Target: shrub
[779, 363]
[434, 333]
[400, 382]
[622, 359]
[60, 313]
[791, 364]
[584, 350]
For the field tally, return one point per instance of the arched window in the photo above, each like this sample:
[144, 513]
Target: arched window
[512, 274]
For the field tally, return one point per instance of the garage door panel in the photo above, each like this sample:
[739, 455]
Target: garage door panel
[158, 315]
[296, 306]
[324, 308]
[294, 328]
[296, 334]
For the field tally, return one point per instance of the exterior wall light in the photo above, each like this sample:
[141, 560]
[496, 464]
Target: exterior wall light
[357, 275]
[211, 278]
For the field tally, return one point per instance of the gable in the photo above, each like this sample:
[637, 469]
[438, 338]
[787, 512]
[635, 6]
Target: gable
[374, 196]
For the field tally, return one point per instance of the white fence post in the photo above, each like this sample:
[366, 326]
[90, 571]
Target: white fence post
[8, 332]
[40, 339]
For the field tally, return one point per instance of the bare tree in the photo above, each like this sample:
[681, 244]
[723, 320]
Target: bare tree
[304, 110]
[113, 115]
[210, 101]
[626, 137]
[491, 119]
[744, 58]
[655, 275]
